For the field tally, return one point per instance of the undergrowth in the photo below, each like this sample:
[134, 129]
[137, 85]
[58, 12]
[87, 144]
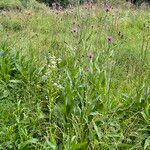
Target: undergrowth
[75, 79]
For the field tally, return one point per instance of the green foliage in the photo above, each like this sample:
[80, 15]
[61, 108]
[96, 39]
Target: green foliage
[18, 5]
[6, 4]
[63, 85]
[62, 2]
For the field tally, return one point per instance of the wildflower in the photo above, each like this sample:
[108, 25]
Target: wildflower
[90, 55]
[60, 8]
[74, 30]
[109, 38]
[88, 4]
[107, 7]
[57, 7]
[54, 6]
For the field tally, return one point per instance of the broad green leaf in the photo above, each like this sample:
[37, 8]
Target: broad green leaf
[97, 130]
[147, 143]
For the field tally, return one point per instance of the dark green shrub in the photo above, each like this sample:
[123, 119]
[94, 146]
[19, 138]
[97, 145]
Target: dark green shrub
[138, 2]
[61, 2]
[45, 1]
[49, 2]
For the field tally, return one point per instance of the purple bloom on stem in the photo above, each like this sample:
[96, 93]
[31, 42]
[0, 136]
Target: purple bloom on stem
[90, 55]
[54, 6]
[107, 7]
[109, 38]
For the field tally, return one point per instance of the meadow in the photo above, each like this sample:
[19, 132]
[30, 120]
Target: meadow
[77, 79]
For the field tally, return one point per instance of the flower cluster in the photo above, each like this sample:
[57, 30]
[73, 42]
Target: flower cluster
[107, 7]
[109, 38]
[57, 7]
[52, 63]
[88, 4]
[90, 55]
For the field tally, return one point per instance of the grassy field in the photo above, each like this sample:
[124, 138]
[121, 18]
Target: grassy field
[78, 79]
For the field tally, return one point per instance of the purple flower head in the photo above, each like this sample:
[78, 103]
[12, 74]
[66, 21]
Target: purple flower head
[88, 4]
[107, 7]
[109, 38]
[90, 55]
[54, 6]
[60, 8]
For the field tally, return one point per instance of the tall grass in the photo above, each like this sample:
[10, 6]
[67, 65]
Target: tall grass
[64, 85]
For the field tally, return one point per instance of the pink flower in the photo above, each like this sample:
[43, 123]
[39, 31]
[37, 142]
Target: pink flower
[90, 55]
[54, 6]
[107, 7]
[60, 8]
[109, 38]
[88, 4]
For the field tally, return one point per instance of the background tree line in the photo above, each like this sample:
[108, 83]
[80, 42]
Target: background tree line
[66, 2]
